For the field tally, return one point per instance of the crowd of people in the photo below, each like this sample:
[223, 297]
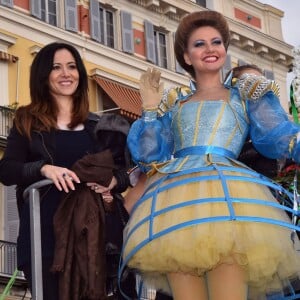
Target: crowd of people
[198, 219]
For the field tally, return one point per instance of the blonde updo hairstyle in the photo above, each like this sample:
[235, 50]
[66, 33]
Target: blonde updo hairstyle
[192, 22]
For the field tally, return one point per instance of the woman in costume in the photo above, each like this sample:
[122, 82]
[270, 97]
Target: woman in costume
[207, 226]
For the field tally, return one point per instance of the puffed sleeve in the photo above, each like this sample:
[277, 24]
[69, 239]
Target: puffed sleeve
[150, 139]
[271, 131]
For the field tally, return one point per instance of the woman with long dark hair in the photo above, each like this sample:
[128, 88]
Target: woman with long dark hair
[49, 135]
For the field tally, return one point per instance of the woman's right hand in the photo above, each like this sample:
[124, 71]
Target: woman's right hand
[150, 88]
[63, 178]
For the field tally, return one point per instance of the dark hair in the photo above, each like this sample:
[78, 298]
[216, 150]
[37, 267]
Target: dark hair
[190, 23]
[41, 113]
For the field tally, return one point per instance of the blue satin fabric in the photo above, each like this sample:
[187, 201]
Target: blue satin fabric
[222, 124]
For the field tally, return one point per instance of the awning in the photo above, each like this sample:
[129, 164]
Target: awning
[8, 57]
[126, 98]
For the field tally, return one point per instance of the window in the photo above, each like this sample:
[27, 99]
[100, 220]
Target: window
[156, 45]
[6, 41]
[201, 2]
[50, 11]
[106, 27]
[160, 49]
[44, 10]
[241, 62]
[102, 24]
[269, 74]
[8, 3]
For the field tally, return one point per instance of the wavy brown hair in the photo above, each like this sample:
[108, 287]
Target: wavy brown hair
[41, 113]
[193, 21]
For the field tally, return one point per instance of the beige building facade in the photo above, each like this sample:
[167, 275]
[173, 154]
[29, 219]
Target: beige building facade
[118, 40]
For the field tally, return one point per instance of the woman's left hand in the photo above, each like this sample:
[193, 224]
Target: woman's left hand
[103, 190]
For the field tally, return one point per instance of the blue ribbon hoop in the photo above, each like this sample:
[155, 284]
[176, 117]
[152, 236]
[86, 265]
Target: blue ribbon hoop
[290, 206]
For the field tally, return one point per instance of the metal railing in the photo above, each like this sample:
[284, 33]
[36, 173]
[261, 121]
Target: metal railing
[6, 120]
[32, 195]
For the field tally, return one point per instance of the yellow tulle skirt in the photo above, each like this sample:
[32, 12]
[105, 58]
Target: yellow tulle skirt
[195, 226]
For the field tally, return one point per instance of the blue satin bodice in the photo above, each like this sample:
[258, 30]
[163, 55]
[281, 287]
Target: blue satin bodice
[206, 132]
[193, 134]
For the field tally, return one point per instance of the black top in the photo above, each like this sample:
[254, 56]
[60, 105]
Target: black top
[70, 146]
[23, 158]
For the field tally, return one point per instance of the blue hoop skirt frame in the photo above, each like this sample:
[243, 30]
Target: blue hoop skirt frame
[204, 208]
[214, 173]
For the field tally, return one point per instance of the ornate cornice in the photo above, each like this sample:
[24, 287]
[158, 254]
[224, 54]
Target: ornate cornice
[262, 46]
[243, 36]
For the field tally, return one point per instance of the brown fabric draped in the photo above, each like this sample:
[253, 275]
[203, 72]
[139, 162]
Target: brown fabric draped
[79, 222]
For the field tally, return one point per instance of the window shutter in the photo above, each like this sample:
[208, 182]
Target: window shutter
[150, 42]
[95, 20]
[35, 8]
[201, 2]
[227, 66]
[71, 15]
[178, 67]
[269, 74]
[10, 259]
[127, 34]
[11, 213]
[11, 221]
[8, 3]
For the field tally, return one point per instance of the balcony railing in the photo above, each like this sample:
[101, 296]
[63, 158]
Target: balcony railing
[6, 120]
[8, 260]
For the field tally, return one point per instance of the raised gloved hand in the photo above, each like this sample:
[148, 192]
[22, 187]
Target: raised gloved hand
[151, 89]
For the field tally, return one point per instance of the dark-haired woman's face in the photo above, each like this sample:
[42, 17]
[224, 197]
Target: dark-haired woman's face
[64, 77]
[205, 50]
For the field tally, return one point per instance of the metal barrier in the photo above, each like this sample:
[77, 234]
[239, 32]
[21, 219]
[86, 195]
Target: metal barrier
[33, 196]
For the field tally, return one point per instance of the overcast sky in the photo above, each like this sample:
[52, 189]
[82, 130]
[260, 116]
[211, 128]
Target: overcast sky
[290, 22]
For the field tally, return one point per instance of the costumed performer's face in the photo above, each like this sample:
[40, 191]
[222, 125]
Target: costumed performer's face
[205, 50]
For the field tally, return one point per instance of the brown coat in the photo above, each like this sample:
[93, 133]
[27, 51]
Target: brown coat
[79, 223]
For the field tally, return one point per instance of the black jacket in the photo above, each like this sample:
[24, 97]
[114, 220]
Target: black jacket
[23, 158]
